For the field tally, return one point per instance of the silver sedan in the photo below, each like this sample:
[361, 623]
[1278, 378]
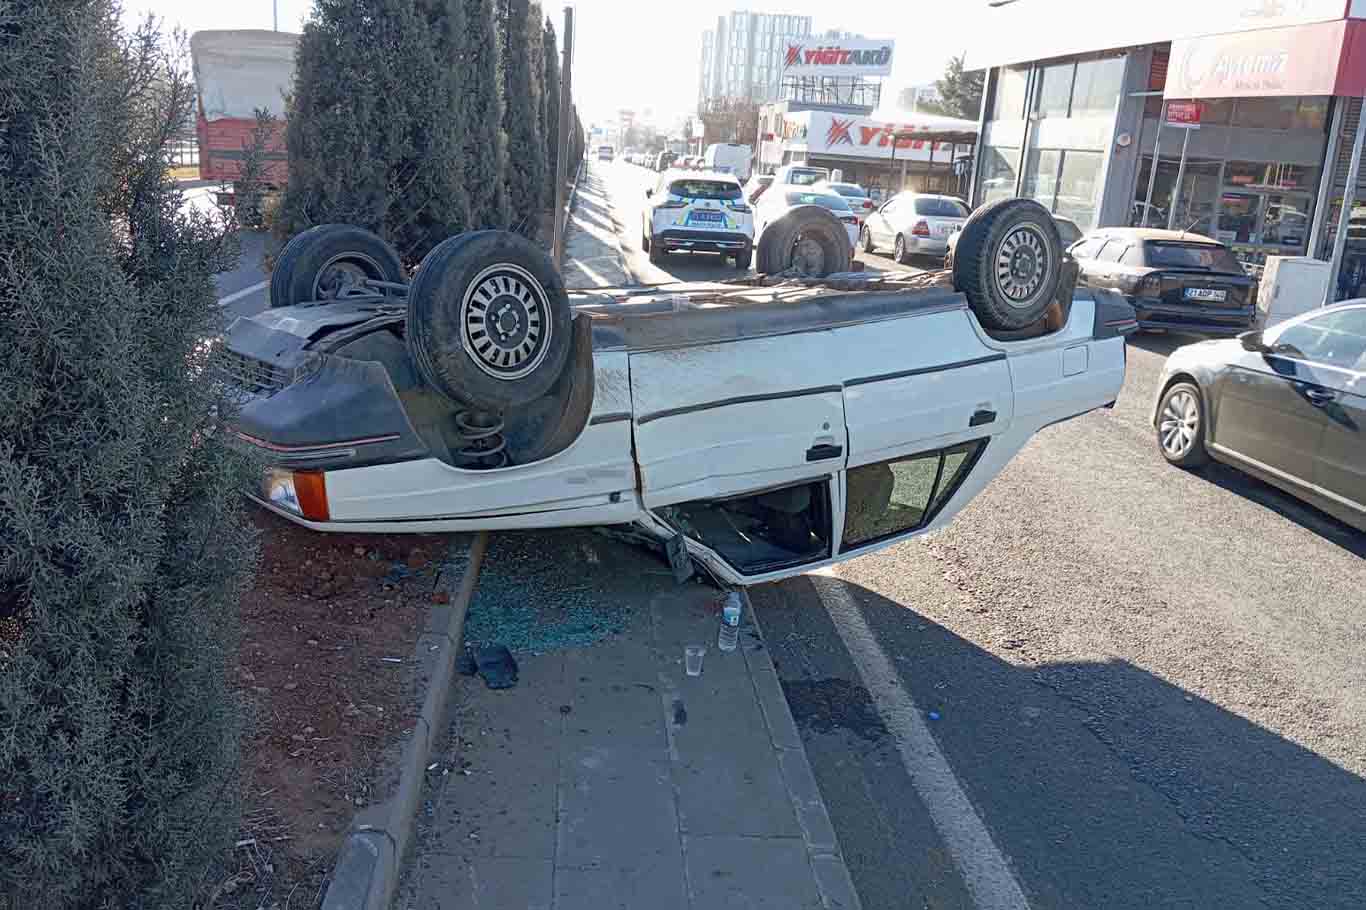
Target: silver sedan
[1286, 405]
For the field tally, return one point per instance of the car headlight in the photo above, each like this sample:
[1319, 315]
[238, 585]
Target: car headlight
[304, 493]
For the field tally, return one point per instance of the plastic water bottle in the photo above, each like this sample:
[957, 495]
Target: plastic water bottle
[729, 636]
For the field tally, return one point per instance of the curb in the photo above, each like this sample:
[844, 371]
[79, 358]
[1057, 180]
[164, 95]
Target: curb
[367, 868]
[833, 882]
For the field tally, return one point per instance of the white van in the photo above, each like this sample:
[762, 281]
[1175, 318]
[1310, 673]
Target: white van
[728, 158]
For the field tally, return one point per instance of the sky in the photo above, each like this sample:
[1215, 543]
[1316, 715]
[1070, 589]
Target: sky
[646, 54]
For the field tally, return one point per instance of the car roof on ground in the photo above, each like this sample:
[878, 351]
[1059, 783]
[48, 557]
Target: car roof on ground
[1136, 233]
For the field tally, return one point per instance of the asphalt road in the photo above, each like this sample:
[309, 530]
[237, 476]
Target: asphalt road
[627, 184]
[242, 291]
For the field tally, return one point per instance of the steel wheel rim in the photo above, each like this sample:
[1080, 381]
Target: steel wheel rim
[505, 322]
[344, 275]
[900, 248]
[808, 258]
[1179, 424]
[1022, 263]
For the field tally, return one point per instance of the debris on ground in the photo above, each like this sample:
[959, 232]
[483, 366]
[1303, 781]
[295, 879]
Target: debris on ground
[497, 666]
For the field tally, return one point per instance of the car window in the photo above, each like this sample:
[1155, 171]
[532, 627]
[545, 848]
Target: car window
[1168, 254]
[889, 498]
[1132, 255]
[848, 190]
[804, 177]
[761, 532]
[1337, 339]
[940, 208]
[890, 205]
[705, 189]
[1088, 248]
[1112, 250]
[829, 200]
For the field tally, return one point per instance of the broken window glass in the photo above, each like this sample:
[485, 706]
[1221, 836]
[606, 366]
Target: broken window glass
[895, 497]
[761, 532]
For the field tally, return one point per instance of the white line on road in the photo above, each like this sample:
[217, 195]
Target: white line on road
[245, 292]
[985, 870]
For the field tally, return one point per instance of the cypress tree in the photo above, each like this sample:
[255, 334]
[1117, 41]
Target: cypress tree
[551, 93]
[485, 146]
[524, 177]
[124, 546]
[374, 123]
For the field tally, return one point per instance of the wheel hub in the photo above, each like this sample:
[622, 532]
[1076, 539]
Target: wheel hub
[807, 256]
[345, 275]
[1022, 265]
[1179, 424]
[506, 321]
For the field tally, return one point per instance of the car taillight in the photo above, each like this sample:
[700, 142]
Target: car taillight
[921, 229]
[867, 204]
[302, 492]
[849, 219]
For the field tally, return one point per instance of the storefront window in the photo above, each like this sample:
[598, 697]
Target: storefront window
[1270, 175]
[1265, 113]
[1216, 112]
[1239, 214]
[1054, 91]
[1010, 94]
[998, 173]
[1287, 220]
[1312, 114]
[1041, 176]
[1078, 187]
[1098, 83]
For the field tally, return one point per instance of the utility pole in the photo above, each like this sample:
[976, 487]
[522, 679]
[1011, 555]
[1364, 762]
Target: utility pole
[275, 9]
[566, 124]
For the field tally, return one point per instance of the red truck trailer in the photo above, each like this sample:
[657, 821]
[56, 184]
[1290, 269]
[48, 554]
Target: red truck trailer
[236, 73]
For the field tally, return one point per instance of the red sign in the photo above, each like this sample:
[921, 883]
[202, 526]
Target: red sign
[1183, 113]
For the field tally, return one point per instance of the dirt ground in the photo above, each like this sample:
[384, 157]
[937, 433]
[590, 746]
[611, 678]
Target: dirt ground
[326, 669]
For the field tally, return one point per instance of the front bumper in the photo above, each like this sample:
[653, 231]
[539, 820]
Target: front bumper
[1201, 320]
[692, 241]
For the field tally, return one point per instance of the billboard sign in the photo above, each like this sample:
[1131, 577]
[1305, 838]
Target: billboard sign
[1184, 114]
[1274, 62]
[845, 57]
[861, 137]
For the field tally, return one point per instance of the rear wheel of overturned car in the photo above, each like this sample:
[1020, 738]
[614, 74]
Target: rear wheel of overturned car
[744, 259]
[1181, 426]
[1008, 262]
[489, 320]
[807, 241]
[332, 262]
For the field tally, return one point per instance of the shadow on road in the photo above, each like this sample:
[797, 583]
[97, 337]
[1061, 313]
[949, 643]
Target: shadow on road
[1162, 344]
[1105, 785]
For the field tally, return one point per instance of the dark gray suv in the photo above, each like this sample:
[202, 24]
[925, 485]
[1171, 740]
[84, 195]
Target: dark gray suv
[1287, 405]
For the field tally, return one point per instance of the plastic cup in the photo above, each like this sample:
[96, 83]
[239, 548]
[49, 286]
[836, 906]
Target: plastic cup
[692, 659]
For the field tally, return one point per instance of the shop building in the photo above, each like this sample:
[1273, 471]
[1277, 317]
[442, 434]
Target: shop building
[1227, 118]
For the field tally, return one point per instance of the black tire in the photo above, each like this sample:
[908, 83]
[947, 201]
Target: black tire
[745, 259]
[645, 241]
[807, 239]
[1181, 426]
[867, 237]
[327, 261]
[656, 252]
[1019, 238]
[462, 285]
[899, 251]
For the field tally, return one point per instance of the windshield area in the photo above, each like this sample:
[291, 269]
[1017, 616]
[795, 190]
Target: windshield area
[940, 208]
[829, 200]
[1175, 255]
[805, 176]
[705, 189]
[851, 190]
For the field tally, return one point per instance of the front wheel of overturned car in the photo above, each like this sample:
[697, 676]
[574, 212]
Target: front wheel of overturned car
[489, 320]
[744, 259]
[807, 241]
[1008, 262]
[1181, 426]
[331, 262]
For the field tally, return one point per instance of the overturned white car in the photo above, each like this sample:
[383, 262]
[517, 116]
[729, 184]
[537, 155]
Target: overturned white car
[771, 425]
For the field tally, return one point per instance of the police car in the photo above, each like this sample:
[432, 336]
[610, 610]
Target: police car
[698, 212]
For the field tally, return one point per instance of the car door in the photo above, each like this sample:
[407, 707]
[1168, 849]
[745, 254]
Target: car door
[738, 446]
[1265, 406]
[879, 223]
[1337, 377]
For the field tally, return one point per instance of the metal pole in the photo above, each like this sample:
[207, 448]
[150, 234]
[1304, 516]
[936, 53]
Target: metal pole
[1152, 171]
[562, 159]
[275, 8]
[1325, 197]
[1180, 175]
[1345, 216]
[891, 170]
[929, 171]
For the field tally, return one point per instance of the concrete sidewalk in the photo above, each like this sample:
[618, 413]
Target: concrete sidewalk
[592, 249]
[608, 778]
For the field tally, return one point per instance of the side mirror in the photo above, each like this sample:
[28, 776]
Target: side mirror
[1252, 341]
[649, 193]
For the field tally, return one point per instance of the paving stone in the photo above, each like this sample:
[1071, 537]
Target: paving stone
[614, 802]
[754, 873]
[485, 883]
[650, 880]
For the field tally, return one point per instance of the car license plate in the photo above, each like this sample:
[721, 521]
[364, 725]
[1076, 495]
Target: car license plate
[1205, 294]
[943, 230]
[707, 217]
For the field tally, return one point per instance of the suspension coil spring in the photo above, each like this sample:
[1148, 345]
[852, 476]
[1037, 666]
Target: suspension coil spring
[485, 445]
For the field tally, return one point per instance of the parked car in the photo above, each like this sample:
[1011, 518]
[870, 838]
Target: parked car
[730, 157]
[756, 186]
[759, 437]
[606, 153]
[913, 224]
[855, 195]
[1175, 280]
[1287, 405]
[800, 175]
[779, 200]
[663, 161]
[705, 213]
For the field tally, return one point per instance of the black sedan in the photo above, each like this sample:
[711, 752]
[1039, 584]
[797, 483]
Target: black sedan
[1175, 280]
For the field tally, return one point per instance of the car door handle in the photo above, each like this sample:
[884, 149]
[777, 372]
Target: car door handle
[982, 417]
[824, 452]
[1319, 397]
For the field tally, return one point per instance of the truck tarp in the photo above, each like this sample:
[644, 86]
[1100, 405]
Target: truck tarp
[237, 72]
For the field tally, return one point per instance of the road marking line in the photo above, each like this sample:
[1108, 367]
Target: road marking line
[985, 870]
[245, 292]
